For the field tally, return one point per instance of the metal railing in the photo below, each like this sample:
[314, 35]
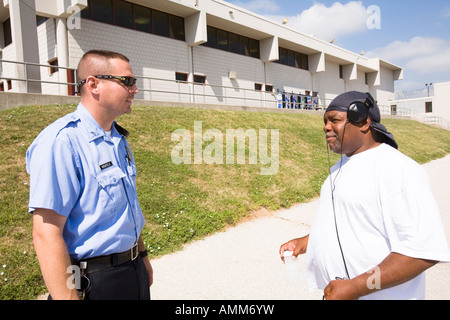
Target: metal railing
[153, 88]
[29, 80]
[192, 92]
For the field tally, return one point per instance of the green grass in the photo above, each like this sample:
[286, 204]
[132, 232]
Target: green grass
[181, 202]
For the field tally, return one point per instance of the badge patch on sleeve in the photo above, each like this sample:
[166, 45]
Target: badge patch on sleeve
[106, 165]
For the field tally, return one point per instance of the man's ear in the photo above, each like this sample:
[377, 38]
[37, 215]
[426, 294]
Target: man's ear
[92, 85]
[365, 124]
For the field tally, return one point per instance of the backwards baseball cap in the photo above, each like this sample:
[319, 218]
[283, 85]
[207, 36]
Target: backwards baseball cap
[347, 100]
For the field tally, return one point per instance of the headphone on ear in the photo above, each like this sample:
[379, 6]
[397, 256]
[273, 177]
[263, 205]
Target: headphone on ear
[358, 111]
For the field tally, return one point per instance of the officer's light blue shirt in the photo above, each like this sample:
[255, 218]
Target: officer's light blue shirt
[81, 173]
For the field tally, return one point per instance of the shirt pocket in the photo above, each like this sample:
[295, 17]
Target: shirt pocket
[112, 194]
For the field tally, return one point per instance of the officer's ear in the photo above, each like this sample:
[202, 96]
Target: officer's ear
[92, 84]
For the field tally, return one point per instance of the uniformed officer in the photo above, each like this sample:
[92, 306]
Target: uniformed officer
[86, 215]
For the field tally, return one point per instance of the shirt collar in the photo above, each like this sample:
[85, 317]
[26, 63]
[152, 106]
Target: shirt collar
[94, 130]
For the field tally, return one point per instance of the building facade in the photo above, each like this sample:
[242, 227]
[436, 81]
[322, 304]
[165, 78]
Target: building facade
[433, 107]
[188, 51]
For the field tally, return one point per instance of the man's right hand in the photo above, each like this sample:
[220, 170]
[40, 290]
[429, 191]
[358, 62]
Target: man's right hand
[298, 246]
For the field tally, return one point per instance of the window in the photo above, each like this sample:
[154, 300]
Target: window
[199, 79]
[176, 25]
[179, 76]
[54, 64]
[102, 11]
[222, 40]
[143, 19]
[7, 36]
[293, 59]
[394, 109]
[254, 48]
[269, 88]
[258, 87]
[429, 107]
[123, 14]
[341, 72]
[161, 23]
[228, 41]
[245, 46]
[234, 43]
[212, 37]
[129, 15]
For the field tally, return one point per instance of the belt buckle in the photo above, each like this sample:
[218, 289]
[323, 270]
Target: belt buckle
[134, 252]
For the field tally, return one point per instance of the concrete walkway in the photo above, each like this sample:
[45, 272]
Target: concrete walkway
[242, 263]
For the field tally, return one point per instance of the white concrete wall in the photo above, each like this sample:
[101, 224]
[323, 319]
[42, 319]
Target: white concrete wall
[160, 58]
[441, 102]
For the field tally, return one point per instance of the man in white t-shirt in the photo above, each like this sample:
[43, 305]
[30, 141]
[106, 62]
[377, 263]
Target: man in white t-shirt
[378, 227]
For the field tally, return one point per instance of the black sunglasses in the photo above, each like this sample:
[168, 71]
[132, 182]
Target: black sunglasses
[127, 81]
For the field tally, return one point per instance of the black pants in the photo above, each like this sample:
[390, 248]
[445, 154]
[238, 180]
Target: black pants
[128, 281]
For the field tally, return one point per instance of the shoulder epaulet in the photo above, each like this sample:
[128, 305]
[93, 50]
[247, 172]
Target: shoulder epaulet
[62, 122]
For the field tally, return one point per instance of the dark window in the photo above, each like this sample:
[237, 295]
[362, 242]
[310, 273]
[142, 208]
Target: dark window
[102, 11]
[179, 76]
[234, 43]
[54, 65]
[254, 48]
[305, 62]
[245, 46]
[123, 14]
[222, 39]
[129, 15]
[429, 107]
[199, 79]
[283, 56]
[212, 37]
[293, 59]
[228, 41]
[7, 36]
[258, 86]
[176, 28]
[269, 88]
[161, 23]
[143, 19]
[341, 72]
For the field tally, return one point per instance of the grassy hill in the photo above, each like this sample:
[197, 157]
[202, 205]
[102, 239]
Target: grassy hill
[182, 202]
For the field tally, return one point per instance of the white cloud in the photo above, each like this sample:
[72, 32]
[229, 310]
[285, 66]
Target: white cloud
[421, 55]
[329, 23]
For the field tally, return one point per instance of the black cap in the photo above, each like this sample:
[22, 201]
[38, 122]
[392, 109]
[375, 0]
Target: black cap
[345, 100]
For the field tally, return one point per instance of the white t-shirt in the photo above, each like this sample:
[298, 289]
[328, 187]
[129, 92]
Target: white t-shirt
[383, 204]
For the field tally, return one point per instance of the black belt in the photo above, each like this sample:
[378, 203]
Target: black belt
[105, 262]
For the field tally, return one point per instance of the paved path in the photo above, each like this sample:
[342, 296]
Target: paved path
[242, 262]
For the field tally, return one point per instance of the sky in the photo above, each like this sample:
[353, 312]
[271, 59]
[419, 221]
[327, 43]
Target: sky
[413, 34]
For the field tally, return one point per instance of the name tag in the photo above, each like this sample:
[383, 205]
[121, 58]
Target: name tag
[106, 165]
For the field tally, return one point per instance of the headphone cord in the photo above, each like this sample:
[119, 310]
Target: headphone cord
[333, 186]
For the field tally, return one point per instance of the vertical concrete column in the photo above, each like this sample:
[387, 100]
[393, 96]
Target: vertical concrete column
[62, 52]
[25, 41]
[196, 33]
